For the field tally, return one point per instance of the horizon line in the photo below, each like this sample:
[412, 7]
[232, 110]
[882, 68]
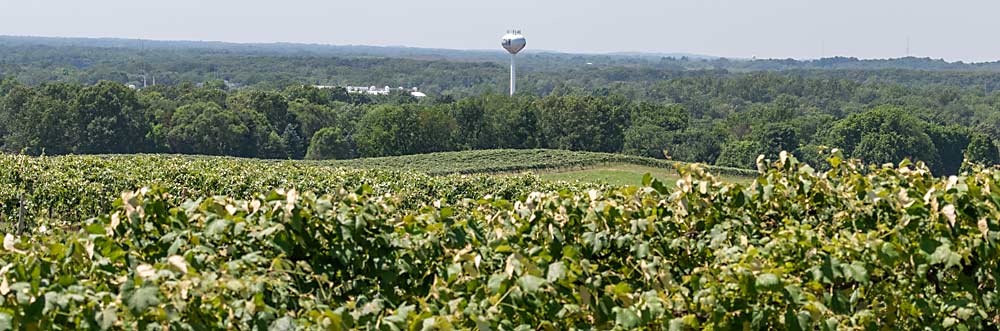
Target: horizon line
[671, 54]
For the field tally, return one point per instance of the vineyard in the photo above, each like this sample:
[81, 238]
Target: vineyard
[198, 243]
[74, 188]
[515, 160]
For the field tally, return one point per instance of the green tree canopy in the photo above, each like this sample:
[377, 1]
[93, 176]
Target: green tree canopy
[330, 144]
[982, 150]
[111, 119]
[206, 128]
[41, 121]
[667, 117]
[740, 154]
[647, 140]
[272, 104]
[776, 137]
[882, 135]
[582, 123]
[388, 130]
[951, 143]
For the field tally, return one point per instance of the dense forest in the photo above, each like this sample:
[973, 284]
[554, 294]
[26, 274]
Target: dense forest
[70, 96]
[724, 120]
[456, 73]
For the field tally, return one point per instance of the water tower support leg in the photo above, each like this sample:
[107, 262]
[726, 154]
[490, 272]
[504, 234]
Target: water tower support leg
[513, 75]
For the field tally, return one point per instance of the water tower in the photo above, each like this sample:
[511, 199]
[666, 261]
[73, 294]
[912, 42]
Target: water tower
[513, 42]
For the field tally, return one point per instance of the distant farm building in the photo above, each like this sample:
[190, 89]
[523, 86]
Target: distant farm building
[372, 90]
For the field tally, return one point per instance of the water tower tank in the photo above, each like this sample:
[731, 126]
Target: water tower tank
[513, 42]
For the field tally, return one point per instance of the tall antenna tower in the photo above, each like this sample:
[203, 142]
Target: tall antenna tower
[142, 61]
[513, 42]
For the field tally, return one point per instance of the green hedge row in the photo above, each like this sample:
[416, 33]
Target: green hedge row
[516, 160]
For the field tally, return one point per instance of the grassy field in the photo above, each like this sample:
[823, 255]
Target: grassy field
[622, 174]
[616, 169]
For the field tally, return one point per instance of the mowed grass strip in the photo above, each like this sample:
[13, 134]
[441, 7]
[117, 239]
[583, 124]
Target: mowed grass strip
[623, 174]
[502, 161]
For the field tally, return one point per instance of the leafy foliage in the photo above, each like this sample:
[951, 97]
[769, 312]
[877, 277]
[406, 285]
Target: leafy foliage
[73, 188]
[983, 150]
[852, 247]
[329, 144]
[740, 154]
[883, 135]
[691, 119]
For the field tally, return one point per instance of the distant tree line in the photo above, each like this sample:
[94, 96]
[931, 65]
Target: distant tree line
[718, 120]
[34, 61]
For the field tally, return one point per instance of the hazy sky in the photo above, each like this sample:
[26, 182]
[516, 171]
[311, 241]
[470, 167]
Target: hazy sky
[955, 30]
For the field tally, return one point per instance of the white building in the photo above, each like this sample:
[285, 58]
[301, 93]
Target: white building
[372, 90]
